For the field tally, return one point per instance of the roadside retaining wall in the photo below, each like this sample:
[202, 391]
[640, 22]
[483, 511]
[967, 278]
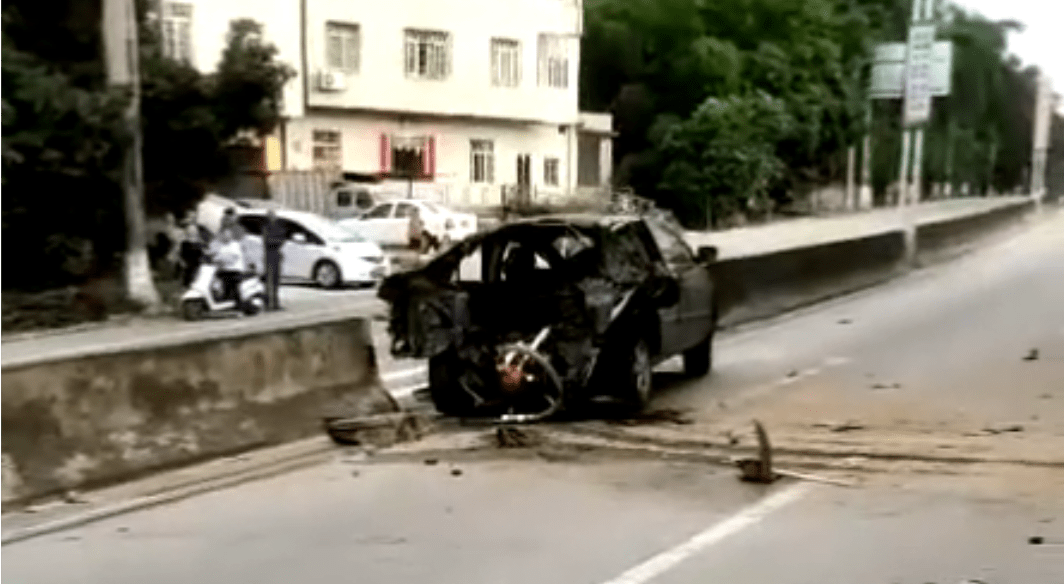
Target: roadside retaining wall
[755, 287]
[942, 240]
[79, 422]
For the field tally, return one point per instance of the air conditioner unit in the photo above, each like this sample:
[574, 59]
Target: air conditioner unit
[332, 81]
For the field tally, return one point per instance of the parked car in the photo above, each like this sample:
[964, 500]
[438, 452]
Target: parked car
[317, 250]
[387, 223]
[546, 312]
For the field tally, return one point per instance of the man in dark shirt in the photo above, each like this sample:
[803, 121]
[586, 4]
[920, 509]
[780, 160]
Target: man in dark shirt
[274, 235]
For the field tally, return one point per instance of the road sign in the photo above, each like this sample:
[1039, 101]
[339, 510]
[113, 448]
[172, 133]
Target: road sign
[917, 104]
[888, 70]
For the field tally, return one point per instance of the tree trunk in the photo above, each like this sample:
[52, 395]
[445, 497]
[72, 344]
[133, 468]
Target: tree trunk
[123, 70]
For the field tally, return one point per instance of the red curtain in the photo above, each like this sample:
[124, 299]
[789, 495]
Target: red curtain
[386, 155]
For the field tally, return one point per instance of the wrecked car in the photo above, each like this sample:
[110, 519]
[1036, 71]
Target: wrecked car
[546, 313]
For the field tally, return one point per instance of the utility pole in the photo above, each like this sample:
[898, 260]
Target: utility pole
[916, 103]
[121, 48]
[864, 196]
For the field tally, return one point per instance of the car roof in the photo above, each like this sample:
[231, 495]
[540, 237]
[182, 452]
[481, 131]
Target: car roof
[302, 216]
[590, 220]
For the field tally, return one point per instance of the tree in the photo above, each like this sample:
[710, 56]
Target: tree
[723, 160]
[63, 128]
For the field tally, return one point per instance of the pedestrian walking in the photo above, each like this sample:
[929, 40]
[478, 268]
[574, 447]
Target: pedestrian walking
[274, 235]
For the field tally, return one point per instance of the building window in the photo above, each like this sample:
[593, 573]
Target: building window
[553, 61]
[342, 45]
[327, 150]
[428, 54]
[411, 156]
[550, 172]
[481, 161]
[177, 31]
[505, 63]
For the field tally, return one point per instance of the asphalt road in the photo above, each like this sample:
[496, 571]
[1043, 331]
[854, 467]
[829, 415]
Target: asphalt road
[954, 436]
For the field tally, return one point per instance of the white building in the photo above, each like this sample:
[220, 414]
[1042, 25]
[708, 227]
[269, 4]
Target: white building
[470, 95]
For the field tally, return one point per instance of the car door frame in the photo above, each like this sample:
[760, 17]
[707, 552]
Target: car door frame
[293, 251]
[375, 226]
[693, 315]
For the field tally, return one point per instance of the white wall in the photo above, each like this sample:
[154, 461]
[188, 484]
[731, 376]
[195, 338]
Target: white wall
[280, 20]
[361, 147]
[381, 83]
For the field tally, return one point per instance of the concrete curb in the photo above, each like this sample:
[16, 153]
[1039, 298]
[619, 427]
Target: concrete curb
[316, 448]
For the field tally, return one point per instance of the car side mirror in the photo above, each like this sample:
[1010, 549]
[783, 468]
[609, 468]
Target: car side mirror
[707, 254]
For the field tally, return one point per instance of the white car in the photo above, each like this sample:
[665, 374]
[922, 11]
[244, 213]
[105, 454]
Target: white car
[317, 250]
[388, 223]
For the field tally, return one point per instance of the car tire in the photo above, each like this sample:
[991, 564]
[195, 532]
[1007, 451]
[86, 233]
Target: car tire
[447, 395]
[698, 360]
[636, 376]
[327, 274]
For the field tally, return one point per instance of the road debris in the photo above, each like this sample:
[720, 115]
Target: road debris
[456, 472]
[886, 386]
[1003, 429]
[664, 415]
[431, 461]
[379, 429]
[73, 498]
[1032, 355]
[512, 437]
[845, 321]
[847, 426]
[758, 470]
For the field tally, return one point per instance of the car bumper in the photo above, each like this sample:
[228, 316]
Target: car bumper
[361, 272]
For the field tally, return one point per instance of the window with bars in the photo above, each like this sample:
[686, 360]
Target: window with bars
[505, 63]
[550, 171]
[481, 161]
[553, 61]
[342, 46]
[428, 54]
[327, 150]
[177, 31]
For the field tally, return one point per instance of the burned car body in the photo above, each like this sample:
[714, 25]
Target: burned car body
[552, 311]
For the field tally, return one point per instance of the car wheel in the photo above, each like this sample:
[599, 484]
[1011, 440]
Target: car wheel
[327, 274]
[698, 360]
[193, 309]
[637, 376]
[446, 393]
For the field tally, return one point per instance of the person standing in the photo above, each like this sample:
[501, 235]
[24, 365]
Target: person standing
[274, 235]
[192, 248]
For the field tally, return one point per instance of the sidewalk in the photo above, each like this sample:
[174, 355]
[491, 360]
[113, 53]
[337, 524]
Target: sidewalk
[788, 234]
[731, 243]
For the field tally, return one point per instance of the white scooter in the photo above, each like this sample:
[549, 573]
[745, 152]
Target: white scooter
[206, 294]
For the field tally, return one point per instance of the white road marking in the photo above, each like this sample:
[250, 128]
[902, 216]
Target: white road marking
[671, 558]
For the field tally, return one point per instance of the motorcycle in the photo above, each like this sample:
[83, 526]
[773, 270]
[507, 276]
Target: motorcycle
[207, 295]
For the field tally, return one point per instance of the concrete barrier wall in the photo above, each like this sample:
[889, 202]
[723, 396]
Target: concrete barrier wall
[80, 422]
[945, 239]
[754, 287]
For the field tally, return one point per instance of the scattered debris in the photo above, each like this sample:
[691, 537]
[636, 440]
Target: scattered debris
[1040, 540]
[1031, 356]
[511, 437]
[1046, 396]
[758, 470]
[355, 473]
[122, 530]
[664, 415]
[456, 472]
[73, 498]
[1003, 429]
[793, 373]
[845, 321]
[368, 431]
[431, 461]
[71, 538]
[886, 386]
[733, 439]
[847, 426]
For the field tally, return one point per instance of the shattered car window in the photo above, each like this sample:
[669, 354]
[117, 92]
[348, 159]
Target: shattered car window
[674, 249]
[571, 244]
[471, 267]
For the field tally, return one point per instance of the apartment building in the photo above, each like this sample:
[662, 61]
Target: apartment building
[468, 96]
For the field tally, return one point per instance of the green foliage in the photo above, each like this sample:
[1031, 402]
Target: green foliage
[651, 62]
[63, 135]
[723, 159]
